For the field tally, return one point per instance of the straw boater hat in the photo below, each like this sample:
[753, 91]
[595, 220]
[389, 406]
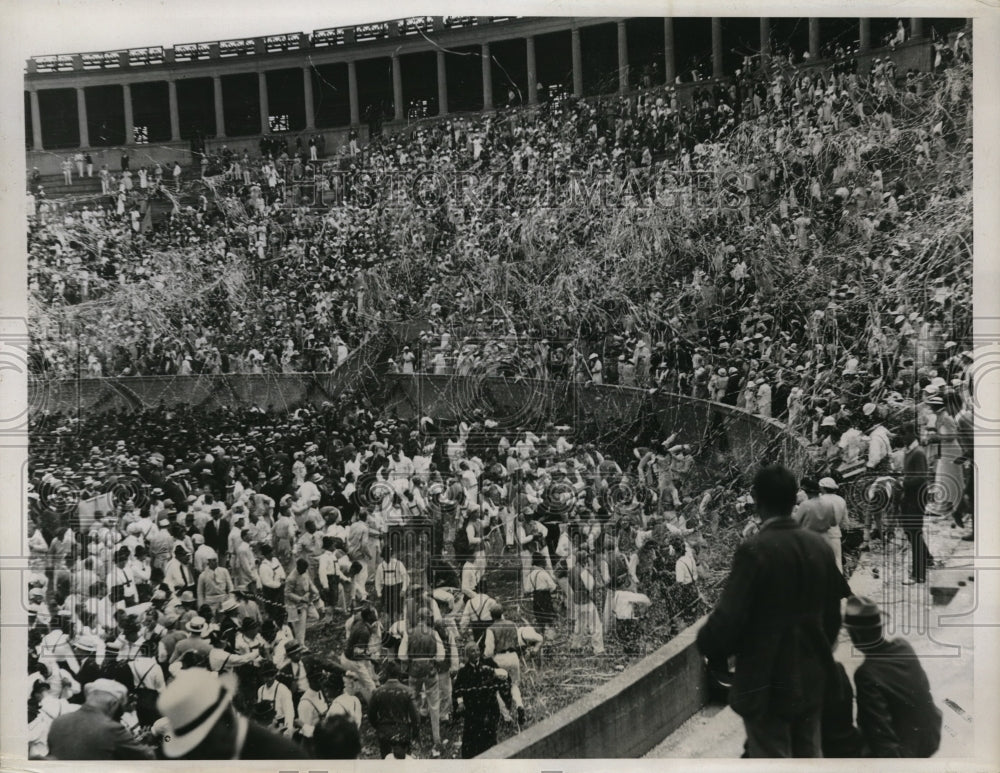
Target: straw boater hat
[193, 703]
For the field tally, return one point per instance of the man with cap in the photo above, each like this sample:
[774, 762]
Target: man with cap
[828, 494]
[879, 454]
[423, 649]
[215, 584]
[85, 648]
[504, 645]
[121, 582]
[201, 552]
[949, 477]
[477, 689]
[779, 614]
[914, 482]
[586, 618]
[204, 725]
[196, 641]
[356, 657]
[393, 712]
[277, 694]
[896, 711]
[179, 575]
[95, 731]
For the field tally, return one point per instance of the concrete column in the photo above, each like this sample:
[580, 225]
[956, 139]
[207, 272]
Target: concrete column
[669, 52]
[36, 121]
[916, 28]
[175, 118]
[352, 92]
[220, 113]
[865, 34]
[442, 72]
[813, 38]
[129, 117]
[265, 108]
[622, 58]
[397, 89]
[716, 47]
[487, 60]
[81, 117]
[529, 46]
[307, 95]
[765, 40]
[577, 63]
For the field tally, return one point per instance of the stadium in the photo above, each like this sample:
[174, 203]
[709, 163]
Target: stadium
[412, 389]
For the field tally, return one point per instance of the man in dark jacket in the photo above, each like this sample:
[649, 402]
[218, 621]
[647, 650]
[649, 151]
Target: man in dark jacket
[911, 506]
[477, 686]
[393, 712]
[779, 615]
[896, 712]
[95, 732]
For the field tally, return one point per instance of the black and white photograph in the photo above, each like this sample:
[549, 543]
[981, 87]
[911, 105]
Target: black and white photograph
[383, 386]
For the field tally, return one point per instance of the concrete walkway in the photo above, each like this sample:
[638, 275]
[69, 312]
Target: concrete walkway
[935, 627]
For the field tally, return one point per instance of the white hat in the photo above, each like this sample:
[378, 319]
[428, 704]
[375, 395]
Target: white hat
[869, 409]
[197, 624]
[193, 703]
[828, 483]
[828, 421]
[110, 686]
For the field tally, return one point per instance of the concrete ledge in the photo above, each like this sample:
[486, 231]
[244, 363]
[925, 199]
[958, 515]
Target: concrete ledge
[625, 717]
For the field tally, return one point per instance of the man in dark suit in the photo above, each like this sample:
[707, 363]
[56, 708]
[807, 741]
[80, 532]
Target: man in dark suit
[779, 615]
[911, 506]
[94, 731]
[217, 533]
[204, 725]
[896, 712]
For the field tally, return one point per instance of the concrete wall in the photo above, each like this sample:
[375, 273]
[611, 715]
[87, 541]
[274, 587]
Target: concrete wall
[625, 717]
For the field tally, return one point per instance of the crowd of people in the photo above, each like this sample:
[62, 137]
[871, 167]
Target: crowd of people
[186, 561]
[221, 547]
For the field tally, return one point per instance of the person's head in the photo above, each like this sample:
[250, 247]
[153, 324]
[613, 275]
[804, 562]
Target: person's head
[863, 620]
[391, 670]
[302, 566]
[369, 615]
[352, 685]
[774, 491]
[809, 486]
[268, 672]
[107, 696]
[337, 738]
[472, 653]
[907, 433]
[198, 705]
[496, 611]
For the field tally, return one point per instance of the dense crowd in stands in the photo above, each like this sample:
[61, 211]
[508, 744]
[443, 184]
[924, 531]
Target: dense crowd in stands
[180, 602]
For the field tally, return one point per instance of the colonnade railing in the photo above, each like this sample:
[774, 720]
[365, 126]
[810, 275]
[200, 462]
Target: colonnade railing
[347, 45]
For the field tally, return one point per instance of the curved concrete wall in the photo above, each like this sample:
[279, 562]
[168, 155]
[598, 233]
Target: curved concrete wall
[626, 716]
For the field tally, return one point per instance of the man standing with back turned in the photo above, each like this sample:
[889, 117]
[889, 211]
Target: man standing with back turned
[779, 615]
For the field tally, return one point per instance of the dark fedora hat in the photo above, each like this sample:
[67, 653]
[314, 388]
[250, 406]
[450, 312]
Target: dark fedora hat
[862, 612]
